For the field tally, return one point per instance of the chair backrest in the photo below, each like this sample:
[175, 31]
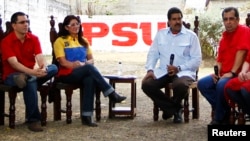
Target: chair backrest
[248, 20]
[2, 35]
[1, 29]
[53, 36]
[196, 30]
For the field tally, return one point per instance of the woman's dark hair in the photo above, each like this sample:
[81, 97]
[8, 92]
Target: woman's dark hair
[228, 9]
[172, 11]
[63, 32]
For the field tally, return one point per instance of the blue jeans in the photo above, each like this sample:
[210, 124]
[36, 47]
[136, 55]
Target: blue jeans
[90, 78]
[214, 93]
[30, 92]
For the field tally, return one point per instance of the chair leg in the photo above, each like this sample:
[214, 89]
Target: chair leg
[111, 105]
[81, 98]
[2, 107]
[232, 116]
[98, 104]
[68, 106]
[241, 118]
[44, 93]
[57, 105]
[195, 103]
[212, 114]
[12, 109]
[156, 112]
[186, 109]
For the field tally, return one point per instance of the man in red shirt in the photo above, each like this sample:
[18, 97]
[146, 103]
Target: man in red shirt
[21, 52]
[232, 50]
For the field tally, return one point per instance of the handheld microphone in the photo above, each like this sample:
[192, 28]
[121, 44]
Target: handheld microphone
[170, 72]
[171, 59]
[216, 70]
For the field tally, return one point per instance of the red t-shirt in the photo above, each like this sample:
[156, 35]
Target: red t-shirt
[25, 52]
[230, 43]
[248, 56]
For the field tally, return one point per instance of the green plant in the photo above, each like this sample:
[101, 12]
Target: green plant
[210, 31]
[101, 7]
[90, 10]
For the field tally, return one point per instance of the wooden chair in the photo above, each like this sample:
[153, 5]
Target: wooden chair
[193, 89]
[237, 116]
[12, 91]
[68, 88]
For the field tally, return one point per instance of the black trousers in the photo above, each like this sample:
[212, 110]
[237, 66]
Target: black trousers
[152, 88]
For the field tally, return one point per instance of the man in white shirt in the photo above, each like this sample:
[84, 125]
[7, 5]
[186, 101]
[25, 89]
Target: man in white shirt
[179, 54]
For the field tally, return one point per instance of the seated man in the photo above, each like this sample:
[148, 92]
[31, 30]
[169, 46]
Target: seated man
[232, 50]
[181, 48]
[238, 88]
[21, 51]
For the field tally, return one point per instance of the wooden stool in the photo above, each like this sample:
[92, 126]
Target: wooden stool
[129, 111]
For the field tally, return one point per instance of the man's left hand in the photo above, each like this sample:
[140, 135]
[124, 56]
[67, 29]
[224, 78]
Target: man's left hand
[172, 70]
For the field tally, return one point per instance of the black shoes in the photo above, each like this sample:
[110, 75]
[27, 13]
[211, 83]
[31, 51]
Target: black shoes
[87, 120]
[223, 122]
[116, 97]
[166, 116]
[214, 122]
[178, 116]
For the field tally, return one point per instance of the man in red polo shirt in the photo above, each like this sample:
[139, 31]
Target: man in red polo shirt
[21, 51]
[232, 50]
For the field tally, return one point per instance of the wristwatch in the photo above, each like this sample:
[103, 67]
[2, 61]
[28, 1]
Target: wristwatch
[234, 74]
[179, 68]
[150, 71]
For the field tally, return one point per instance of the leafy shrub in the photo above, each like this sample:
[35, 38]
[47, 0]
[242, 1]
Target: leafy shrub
[210, 31]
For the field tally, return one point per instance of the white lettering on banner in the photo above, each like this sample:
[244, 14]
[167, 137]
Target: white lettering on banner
[122, 33]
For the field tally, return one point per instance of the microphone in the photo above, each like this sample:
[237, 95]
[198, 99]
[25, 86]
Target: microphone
[216, 70]
[171, 59]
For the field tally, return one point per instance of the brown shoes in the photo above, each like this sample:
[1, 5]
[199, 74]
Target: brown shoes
[20, 80]
[35, 127]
